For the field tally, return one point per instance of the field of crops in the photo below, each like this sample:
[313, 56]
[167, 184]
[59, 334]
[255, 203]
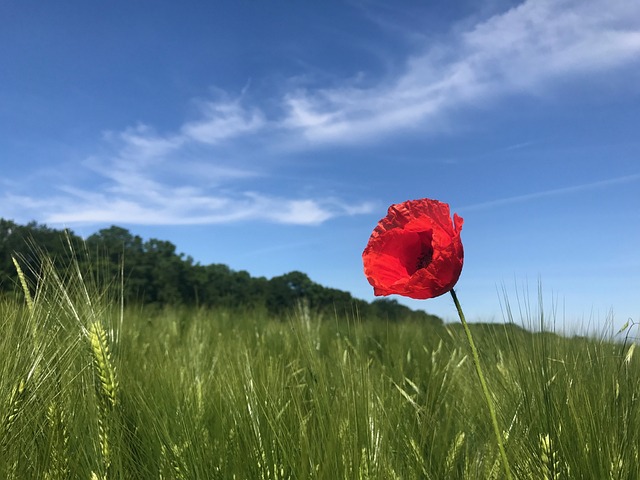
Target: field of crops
[91, 390]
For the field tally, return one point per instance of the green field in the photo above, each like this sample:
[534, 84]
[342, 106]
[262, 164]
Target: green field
[92, 390]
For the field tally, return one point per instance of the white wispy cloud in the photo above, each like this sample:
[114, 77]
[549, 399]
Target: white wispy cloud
[520, 50]
[150, 178]
[194, 173]
[223, 120]
[143, 143]
[180, 177]
[183, 206]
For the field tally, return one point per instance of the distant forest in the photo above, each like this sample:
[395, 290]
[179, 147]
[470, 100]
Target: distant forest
[155, 274]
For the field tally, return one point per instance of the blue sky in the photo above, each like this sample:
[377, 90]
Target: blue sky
[272, 136]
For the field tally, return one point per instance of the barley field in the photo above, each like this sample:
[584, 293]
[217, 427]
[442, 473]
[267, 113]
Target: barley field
[91, 389]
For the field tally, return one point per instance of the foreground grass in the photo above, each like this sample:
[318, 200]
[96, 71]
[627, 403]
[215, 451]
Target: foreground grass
[91, 391]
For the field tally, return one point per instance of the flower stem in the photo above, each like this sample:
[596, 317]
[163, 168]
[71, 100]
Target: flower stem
[485, 389]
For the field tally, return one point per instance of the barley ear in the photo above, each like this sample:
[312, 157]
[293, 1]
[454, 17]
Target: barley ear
[452, 455]
[16, 402]
[59, 458]
[106, 385]
[23, 282]
[549, 459]
[171, 463]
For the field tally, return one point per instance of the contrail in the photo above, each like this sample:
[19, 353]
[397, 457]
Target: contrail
[551, 193]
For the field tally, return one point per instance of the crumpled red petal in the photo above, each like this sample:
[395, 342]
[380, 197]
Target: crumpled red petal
[395, 254]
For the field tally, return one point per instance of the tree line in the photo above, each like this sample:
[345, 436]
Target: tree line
[154, 273]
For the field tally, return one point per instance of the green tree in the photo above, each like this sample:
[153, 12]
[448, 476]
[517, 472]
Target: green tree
[285, 291]
[115, 251]
[154, 273]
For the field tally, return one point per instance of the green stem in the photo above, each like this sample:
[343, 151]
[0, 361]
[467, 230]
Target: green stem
[485, 389]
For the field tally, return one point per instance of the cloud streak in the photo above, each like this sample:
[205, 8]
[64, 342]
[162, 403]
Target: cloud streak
[190, 208]
[194, 174]
[551, 193]
[520, 50]
[179, 178]
[221, 121]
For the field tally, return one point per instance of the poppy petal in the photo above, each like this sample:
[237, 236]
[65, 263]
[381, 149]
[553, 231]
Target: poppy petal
[415, 251]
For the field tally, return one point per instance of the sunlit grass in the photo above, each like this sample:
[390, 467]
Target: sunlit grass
[88, 390]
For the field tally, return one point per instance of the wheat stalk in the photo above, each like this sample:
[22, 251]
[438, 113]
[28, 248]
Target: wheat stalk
[57, 419]
[16, 405]
[102, 363]
[23, 282]
[16, 402]
[172, 460]
[549, 458]
[453, 453]
[106, 387]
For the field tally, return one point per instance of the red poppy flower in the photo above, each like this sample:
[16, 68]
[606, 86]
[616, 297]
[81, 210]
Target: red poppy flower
[415, 251]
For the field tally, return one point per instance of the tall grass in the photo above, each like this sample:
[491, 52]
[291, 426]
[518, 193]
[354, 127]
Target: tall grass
[91, 391]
